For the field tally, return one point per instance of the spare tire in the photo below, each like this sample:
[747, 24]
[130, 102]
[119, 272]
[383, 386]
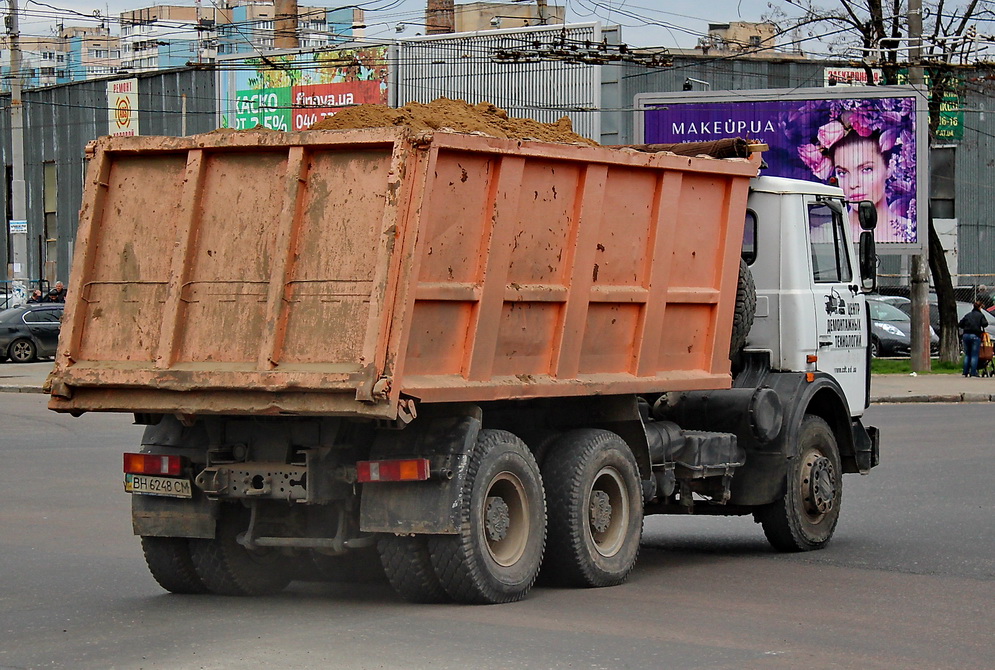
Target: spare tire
[746, 309]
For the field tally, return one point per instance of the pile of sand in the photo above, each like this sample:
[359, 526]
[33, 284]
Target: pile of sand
[455, 115]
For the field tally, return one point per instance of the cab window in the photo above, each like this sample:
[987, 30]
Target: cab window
[749, 253]
[830, 257]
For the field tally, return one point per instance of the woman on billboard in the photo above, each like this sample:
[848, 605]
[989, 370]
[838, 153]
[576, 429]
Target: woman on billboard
[867, 148]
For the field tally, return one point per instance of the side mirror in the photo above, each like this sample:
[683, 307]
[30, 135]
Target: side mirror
[867, 214]
[868, 260]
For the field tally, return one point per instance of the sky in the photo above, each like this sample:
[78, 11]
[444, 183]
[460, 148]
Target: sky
[667, 23]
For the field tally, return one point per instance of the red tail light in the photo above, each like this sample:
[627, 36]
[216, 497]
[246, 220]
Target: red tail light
[153, 464]
[402, 470]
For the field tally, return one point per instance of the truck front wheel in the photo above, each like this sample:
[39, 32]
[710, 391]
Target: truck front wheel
[169, 562]
[496, 554]
[229, 569]
[805, 517]
[595, 509]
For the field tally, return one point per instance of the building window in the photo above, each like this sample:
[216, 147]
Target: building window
[942, 189]
[51, 232]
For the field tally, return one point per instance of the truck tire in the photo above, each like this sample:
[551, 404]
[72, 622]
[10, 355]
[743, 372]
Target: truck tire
[595, 505]
[169, 562]
[746, 309]
[409, 569]
[805, 517]
[229, 569]
[496, 555]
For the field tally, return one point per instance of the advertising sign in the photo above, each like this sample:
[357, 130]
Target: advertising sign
[122, 105]
[294, 91]
[850, 76]
[869, 142]
[951, 126]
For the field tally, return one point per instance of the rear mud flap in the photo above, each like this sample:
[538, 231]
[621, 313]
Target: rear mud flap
[168, 517]
[428, 506]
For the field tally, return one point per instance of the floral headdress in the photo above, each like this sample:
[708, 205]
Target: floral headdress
[818, 125]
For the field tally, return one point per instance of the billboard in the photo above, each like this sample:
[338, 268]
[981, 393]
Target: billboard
[869, 141]
[292, 92]
[122, 107]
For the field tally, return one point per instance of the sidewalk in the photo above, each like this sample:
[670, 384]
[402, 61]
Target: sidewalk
[29, 378]
[23, 377]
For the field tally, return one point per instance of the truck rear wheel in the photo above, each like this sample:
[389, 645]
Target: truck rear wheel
[496, 554]
[169, 562]
[409, 569]
[805, 517]
[595, 509]
[229, 569]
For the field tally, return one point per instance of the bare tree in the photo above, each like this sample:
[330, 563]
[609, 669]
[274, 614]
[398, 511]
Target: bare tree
[876, 30]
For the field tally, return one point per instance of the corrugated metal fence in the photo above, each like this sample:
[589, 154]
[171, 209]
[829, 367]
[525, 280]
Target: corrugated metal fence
[59, 121]
[462, 68]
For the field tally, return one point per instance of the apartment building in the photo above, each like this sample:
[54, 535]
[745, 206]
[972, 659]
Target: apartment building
[248, 26]
[474, 16]
[167, 36]
[44, 61]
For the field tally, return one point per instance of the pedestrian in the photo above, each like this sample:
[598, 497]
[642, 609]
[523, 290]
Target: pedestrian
[60, 288]
[36, 296]
[51, 296]
[973, 324]
[984, 297]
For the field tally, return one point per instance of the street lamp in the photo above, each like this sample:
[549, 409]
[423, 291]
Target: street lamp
[691, 80]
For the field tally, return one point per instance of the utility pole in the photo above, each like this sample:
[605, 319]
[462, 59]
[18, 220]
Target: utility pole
[285, 27]
[18, 194]
[543, 14]
[920, 262]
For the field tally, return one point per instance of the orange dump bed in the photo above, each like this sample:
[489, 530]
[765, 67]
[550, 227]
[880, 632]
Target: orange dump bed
[349, 272]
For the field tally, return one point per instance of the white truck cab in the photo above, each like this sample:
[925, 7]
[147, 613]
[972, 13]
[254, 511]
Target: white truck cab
[811, 314]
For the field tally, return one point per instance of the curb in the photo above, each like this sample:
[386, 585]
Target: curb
[953, 397]
[21, 389]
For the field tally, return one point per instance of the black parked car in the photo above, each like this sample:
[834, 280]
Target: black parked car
[891, 330]
[29, 332]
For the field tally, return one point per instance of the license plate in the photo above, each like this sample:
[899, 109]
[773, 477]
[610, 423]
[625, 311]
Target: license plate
[158, 486]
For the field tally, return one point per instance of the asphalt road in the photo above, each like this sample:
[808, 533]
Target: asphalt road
[908, 581]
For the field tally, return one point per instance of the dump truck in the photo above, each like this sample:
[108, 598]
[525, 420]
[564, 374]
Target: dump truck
[472, 358]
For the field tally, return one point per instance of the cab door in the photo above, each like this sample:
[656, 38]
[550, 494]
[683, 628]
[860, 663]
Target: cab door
[841, 317]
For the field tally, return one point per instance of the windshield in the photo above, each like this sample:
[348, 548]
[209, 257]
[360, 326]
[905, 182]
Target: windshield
[882, 311]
